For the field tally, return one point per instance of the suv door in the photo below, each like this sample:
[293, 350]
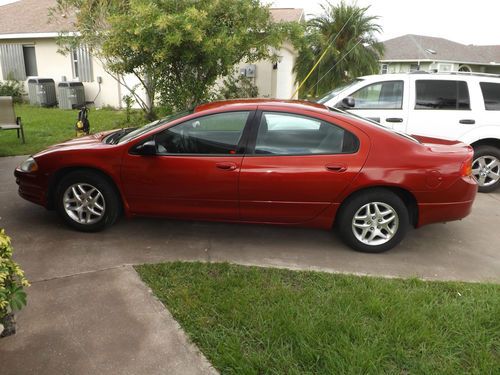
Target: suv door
[441, 108]
[296, 166]
[384, 102]
[194, 173]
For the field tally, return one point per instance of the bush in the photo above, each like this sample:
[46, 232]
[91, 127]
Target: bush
[12, 280]
[12, 88]
[235, 87]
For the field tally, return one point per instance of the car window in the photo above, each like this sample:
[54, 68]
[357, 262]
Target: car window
[442, 95]
[332, 94]
[491, 95]
[289, 134]
[213, 134]
[381, 95]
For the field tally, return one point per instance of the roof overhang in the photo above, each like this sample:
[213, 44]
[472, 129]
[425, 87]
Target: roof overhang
[440, 61]
[34, 35]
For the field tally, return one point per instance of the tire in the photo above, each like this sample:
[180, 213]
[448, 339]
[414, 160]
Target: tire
[101, 202]
[486, 168]
[356, 233]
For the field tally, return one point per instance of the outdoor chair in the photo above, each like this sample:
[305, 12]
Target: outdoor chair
[8, 119]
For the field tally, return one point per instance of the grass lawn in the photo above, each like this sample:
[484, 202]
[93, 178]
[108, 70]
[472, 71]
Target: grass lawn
[46, 126]
[250, 320]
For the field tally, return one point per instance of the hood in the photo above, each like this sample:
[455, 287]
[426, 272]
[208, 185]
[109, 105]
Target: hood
[87, 142]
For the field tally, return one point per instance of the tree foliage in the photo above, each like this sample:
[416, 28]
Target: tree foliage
[177, 49]
[349, 34]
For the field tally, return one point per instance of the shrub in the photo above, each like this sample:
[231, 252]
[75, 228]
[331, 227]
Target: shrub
[12, 88]
[12, 280]
[234, 87]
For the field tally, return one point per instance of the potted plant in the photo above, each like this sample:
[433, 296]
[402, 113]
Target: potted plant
[12, 283]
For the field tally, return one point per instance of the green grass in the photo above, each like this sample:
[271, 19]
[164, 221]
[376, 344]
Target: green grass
[250, 320]
[46, 126]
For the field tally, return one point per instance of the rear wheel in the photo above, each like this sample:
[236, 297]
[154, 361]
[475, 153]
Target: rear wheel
[87, 201]
[373, 221]
[486, 168]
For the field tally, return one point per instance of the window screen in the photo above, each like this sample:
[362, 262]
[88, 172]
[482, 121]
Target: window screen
[491, 95]
[442, 95]
[289, 134]
[12, 61]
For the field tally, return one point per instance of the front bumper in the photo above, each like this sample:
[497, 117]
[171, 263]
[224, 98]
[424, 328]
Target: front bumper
[32, 187]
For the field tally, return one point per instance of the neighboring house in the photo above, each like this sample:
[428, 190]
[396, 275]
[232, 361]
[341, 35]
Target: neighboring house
[28, 48]
[409, 53]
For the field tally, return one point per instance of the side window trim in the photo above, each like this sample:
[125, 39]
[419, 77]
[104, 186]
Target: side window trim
[240, 149]
[252, 141]
[381, 83]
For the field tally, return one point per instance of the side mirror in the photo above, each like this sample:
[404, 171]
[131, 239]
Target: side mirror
[147, 148]
[348, 102]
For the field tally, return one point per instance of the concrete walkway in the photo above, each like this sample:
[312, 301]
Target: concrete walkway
[88, 311]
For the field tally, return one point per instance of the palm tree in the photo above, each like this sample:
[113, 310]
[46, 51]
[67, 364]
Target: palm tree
[348, 35]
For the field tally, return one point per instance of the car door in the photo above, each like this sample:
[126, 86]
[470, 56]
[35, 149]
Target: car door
[296, 166]
[194, 173]
[384, 102]
[441, 108]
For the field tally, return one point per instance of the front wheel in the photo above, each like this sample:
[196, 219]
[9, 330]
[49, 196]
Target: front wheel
[87, 201]
[373, 221]
[486, 168]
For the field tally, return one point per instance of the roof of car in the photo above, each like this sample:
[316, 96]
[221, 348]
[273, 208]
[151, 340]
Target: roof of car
[238, 103]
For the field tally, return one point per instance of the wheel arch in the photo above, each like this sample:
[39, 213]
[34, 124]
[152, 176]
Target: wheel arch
[61, 173]
[405, 195]
[495, 142]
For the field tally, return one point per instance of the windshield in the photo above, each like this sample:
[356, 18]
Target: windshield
[126, 136]
[337, 91]
[349, 114]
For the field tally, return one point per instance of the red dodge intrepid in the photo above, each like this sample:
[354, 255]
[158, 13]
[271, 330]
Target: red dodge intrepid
[258, 161]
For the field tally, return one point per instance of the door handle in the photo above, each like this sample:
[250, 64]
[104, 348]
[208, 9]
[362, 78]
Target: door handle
[226, 166]
[335, 167]
[467, 121]
[394, 119]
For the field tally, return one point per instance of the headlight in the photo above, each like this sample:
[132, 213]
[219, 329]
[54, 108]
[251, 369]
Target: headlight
[29, 165]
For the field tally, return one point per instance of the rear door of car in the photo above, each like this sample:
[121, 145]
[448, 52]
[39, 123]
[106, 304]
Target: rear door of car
[296, 165]
[442, 107]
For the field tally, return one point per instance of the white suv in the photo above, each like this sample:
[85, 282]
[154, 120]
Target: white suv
[456, 106]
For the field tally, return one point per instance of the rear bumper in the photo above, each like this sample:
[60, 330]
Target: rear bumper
[31, 187]
[462, 194]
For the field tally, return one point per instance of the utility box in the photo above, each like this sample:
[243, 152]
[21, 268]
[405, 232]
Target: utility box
[71, 95]
[42, 92]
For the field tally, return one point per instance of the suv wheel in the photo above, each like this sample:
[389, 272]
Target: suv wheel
[486, 168]
[87, 201]
[373, 221]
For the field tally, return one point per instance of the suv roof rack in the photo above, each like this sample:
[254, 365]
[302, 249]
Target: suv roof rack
[478, 74]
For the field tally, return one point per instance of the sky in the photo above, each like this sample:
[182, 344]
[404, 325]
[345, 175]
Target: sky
[469, 22]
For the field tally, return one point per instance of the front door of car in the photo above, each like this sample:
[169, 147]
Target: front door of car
[384, 102]
[441, 108]
[296, 167]
[194, 173]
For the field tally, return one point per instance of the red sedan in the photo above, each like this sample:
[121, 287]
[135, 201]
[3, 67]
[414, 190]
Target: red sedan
[258, 161]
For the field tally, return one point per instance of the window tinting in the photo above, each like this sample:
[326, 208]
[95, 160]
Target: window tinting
[442, 95]
[382, 95]
[491, 95]
[287, 134]
[213, 134]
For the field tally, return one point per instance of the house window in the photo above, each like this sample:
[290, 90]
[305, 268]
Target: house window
[18, 61]
[30, 61]
[445, 67]
[414, 68]
[81, 63]
[383, 69]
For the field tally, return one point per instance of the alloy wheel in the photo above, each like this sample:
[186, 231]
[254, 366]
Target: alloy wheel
[375, 223]
[486, 170]
[84, 203]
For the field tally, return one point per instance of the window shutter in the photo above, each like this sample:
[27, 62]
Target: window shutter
[84, 59]
[12, 61]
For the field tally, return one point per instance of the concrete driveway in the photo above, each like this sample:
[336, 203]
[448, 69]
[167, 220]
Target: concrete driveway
[88, 312]
[466, 250]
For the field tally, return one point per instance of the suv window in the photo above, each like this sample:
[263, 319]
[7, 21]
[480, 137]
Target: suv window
[491, 95]
[289, 134]
[213, 134]
[382, 95]
[442, 95]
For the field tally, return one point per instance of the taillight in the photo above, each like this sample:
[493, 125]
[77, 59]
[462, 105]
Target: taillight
[466, 168]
